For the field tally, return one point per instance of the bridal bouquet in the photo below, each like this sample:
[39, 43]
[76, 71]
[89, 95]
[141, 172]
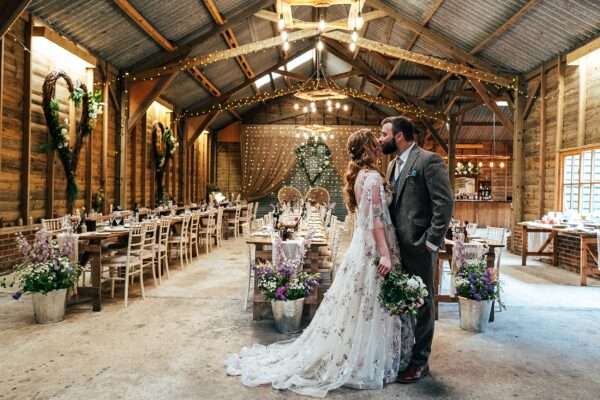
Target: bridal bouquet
[283, 282]
[402, 293]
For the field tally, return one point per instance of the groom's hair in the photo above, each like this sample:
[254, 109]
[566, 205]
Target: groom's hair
[401, 125]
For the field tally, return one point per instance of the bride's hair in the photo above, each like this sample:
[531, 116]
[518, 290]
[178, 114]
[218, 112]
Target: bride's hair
[359, 159]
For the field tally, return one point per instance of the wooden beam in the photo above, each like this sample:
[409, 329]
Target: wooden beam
[25, 200]
[144, 172]
[104, 150]
[344, 75]
[582, 105]
[582, 51]
[205, 124]
[518, 166]
[531, 100]
[198, 36]
[485, 96]
[452, 136]
[146, 26]
[9, 12]
[292, 75]
[434, 62]
[337, 24]
[49, 34]
[1, 95]
[560, 121]
[542, 144]
[122, 132]
[436, 135]
[207, 104]
[432, 37]
[161, 85]
[512, 21]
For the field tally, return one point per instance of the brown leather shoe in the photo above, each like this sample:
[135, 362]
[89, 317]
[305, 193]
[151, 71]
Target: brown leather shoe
[413, 374]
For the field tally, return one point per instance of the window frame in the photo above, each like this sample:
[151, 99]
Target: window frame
[573, 152]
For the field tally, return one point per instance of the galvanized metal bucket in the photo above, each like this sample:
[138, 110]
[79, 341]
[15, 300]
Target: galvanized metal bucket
[287, 315]
[50, 307]
[474, 315]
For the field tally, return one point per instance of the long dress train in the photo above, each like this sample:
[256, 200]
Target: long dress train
[351, 340]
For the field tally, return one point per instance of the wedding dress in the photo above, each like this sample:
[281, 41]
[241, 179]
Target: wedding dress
[351, 340]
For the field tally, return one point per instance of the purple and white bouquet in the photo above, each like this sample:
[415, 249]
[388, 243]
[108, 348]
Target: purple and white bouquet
[475, 281]
[46, 266]
[283, 282]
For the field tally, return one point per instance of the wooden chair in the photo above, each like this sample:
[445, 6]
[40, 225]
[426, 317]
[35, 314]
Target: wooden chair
[194, 233]
[180, 242]
[217, 233]
[235, 223]
[246, 219]
[207, 231]
[318, 195]
[497, 235]
[289, 194]
[123, 267]
[54, 225]
[149, 253]
[162, 245]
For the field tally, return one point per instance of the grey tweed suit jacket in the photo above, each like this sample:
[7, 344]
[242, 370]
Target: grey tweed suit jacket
[423, 201]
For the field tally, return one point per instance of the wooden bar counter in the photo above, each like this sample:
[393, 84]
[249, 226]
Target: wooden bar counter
[483, 212]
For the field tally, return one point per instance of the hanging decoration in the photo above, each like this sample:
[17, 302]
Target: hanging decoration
[164, 143]
[315, 148]
[468, 169]
[90, 106]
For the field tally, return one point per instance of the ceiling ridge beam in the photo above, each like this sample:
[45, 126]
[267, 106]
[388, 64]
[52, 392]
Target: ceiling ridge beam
[9, 12]
[489, 101]
[145, 25]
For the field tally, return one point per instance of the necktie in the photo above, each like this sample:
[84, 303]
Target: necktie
[397, 169]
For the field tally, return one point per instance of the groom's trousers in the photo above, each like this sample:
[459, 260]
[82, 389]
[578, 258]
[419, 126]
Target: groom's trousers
[421, 264]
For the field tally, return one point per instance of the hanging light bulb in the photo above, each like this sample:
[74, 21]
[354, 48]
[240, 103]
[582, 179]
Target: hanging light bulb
[296, 106]
[480, 164]
[359, 20]
[491, 164]
[305, 109]
[328, 102]
[331, 136]
[286, 46]
[329, 108]
[322, 24]
[345, 108]
[314, 110]
[354, 36]
[320, 45]
[284, 36]
[337, 105]
[501, 164]
[281, 22]
[352, 47]
[313, 105]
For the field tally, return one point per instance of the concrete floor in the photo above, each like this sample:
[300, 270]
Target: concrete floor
[172, 345]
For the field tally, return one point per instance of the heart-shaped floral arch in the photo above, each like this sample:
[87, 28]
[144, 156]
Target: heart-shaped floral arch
[314, 148]
[59, 134]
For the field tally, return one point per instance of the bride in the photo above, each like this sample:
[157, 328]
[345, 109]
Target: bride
[351, 340]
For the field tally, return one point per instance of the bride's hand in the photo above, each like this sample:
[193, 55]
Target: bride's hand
[384, 267]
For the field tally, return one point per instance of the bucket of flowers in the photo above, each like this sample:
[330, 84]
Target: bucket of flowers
[477, 288]
[286, 288]
[46, 272]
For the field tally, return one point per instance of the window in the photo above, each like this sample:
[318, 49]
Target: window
[292, 65]
[581, 181]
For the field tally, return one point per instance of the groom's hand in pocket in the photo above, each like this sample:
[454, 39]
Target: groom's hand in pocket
[384, 267]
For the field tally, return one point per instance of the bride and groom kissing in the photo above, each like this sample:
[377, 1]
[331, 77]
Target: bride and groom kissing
[400, 223]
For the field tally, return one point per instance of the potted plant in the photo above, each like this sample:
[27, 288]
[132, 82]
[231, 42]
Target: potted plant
[287, 290]
[477, 288]
[46, 272]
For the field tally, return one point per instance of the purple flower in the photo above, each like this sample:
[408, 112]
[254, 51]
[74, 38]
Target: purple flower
[17, 295]
[281, 293]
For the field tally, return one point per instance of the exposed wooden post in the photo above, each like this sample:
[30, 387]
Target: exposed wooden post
[89, 156]
[121, 175]
[452, 135]
[582, 102]
[1, 91]
[542, 142]
[518, 154]
[560, 110]
[50, 179]
[182, 159]
[25, 202]
[9, 12]
[133, 135]
[104, 152]
[144, 159]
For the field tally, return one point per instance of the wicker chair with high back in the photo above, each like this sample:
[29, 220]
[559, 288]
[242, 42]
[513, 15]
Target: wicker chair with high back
[289, 194]
[318, 195]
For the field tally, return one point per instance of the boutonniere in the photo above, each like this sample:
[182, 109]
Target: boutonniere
[413, 172]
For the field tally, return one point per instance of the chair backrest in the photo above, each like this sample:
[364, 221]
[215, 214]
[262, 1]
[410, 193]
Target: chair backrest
[54, 225]
[136, 240]
[318, 195]
[288, 194]
[238, 211]
[195, 223]
[163, 230]
[255, 210]
[150, 235]
[219, 221]
[496, 234]
[185, 226]
[472, 251]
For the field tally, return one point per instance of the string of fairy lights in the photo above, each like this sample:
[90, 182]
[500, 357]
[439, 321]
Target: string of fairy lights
[216, 56]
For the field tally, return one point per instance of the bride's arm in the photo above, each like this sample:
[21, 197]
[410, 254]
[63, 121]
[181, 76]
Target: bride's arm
[377, 204]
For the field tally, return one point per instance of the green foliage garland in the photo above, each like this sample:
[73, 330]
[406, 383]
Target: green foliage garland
[317, 149]
[162, 156]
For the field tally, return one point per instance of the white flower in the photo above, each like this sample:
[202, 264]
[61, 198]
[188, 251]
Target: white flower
[413, 283]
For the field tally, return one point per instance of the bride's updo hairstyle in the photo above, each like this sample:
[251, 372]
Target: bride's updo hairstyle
[359, 159]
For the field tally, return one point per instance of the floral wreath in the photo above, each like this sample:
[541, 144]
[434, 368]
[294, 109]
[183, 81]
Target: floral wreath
[162, 156]
[59, 133]
[317, 148]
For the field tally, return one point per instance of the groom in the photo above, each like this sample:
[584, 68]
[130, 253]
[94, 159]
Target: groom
[421, 210]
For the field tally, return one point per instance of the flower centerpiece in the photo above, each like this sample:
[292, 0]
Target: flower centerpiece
[287, 289]
[477, 288]
[467, 169]
[402, 294]
[46, 272]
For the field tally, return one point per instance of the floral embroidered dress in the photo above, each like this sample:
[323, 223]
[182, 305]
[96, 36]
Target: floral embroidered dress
[351, 340]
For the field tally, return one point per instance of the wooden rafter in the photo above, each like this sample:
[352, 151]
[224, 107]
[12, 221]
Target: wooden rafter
[491, 103]
[197, 37]
[205, 124]
[424, 22]
[9, 12]
[229, 38]
[344, 75]
[531, 100]
[149, 98]
[430, 61]
[337, 24]
[145, 25]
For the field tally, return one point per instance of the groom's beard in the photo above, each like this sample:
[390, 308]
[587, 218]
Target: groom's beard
[389, 147]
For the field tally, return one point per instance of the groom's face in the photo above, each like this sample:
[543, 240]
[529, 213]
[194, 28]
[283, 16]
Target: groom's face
[387, 141]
